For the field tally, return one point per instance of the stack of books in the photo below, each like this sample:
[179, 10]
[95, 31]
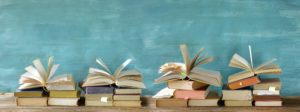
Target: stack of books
[36, 82]
[188, 84]
[267, 93]
[121, 88]
[239, 97]
[250, 77]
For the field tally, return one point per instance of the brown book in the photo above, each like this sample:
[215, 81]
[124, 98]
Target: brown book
[244, 83]
[127, 97]
[211, 100]
[127, 103]
[128, 91]
[192, 94]
[185, 85]
[64, 94]
[267, 83]
[42, 101]
[267, 98]
[238, 103]
[171, 102]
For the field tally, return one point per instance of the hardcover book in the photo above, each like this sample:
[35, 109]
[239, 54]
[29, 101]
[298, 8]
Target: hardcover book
[212, 99]
[266, 92]
[267, 98]
[127, 103]
[186, 85]
[39, 101]
[242, 94]
[33, 92]
[268, 103]
[98, 103]
[126, 97]
[238, 103]
[189, 70]
[63, 101]
[99, 89]
[192, 94]
[171, 102]
[127, 91]
[244, 83]
[98, 97]
[268, 83]
[64, 94]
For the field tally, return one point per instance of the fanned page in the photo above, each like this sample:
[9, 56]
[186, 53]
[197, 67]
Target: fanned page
[169, 77]
[239, 62]
[268, 68]
[130, 83]
[121, 67]
[186, 57]
[35, 74]
[41, 69]
[206, 76]
[61, 78]
[240, 75]
[195, 59]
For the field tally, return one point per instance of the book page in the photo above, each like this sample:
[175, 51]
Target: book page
[186, 57]
[130, 83]
[132, 72]
[99, 72]
[29, 85]
[41, 69]
[102, 64]
[240, 75]
[168, 77]
[33, 73]
[121, 67]
[195, 59]
[52, 71]
[239, 62]
[206, 76]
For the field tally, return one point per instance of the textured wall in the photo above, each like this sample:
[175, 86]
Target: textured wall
[149, 32]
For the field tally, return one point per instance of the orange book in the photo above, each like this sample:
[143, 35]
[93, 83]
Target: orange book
[244, 83]
[192, 94]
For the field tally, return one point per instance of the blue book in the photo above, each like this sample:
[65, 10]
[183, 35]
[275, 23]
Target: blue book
[99, 89]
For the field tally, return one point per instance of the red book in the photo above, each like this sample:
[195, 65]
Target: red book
[244, 83]
[192, 94]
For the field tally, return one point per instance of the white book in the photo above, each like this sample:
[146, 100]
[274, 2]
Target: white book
[268, 103]
[63, 101]
[266, 92]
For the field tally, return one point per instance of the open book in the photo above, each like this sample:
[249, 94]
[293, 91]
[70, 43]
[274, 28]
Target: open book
[189, 69]
[239, 62]
[121, 78]
[38, 76]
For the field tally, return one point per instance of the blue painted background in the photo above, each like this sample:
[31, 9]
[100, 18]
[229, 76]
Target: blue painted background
[149, 32]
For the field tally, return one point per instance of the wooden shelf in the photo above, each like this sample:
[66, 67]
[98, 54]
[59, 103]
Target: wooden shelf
[7, 104]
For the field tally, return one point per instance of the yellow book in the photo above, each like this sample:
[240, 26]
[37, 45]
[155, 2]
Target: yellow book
[64, 94]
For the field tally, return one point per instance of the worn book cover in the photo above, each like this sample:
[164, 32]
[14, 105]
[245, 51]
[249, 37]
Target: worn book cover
[238, 103]
[64, 94]
[98, 97]
[266, 98]
[127, 91]
[99, 89]
[241, 94]
[244, 83]
[185, 85]
[63, 101]
[171, 102]
[212, 99]
[33, 92]
[192, 94]
[127, 103]
[98, 103]
[41, 101]
[268, 83]
[127, 97]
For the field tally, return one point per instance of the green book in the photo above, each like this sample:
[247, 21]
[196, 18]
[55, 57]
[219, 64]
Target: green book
[64, 94]
[35, 92]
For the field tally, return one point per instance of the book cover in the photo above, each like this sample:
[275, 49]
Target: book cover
[192, 94]
[212, 99]
[244, 83]
[99, 89]
[266, 92]
[64, 94]
[241, 94]
[127, 91]
[33, 92]
[185, 85]
[127, 103]
[238, 103]
[268, 83]
[63, 101]
[268, 103]
[98, 97]
[171, 102]
[42, 101]
[266, 98]
[126, 97]
[98, 103]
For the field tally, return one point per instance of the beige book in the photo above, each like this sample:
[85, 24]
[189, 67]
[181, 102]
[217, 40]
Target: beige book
[32, 101]
[98, 97]
[237, 95]
[126, 97]
[127, 103]
[171, 102]
[268, 84]
[238, 103]
[211, 100]
[63, 101]
[127, 91]
[188, 69]
[62, 86]
[266, 92]
[101, 77]
[185, 85]
[249, 71]
[268, 103]
[98, 103]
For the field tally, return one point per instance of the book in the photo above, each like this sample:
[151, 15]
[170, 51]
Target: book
[37, 76]
[268, 103]
[189, 70]
[99, 89]
[242, 94]
[127, 97]
[212, 99]
[121, 78]
[192, 94]
[171, 102]
[185, 85]
[63, 101]
[69, 85]
[266, 98]
[238, 103]
[268, 84]
[127, 103]
[266, 92]
[33, 92]
[127, 91]
[39, 101]
[64, 94]
[244, 83]
[98, 97]
[98, 103]
[164, 93]
[249, 71]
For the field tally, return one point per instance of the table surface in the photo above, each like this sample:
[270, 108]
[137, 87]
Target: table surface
[7, 104]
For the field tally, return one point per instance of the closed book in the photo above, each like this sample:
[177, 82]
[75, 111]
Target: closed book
[238, 103]
[128, 91]
[64, 94]
[244, 83]
[185, 85]
[63, 101]
[35, 92]
[99, 89]
[171, 102]
[192, 94]
[266, 92]
[98, 103]
[42, 101]
[267, 84]
[127, 97]
[69, 85]
[242, 94]
[127, 103]
[98, 97]
[212, 99]
[268, 103]
[267, 98]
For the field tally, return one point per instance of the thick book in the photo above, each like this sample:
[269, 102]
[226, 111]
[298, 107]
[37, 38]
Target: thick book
[266, 92]
[98, 97]
[189, 70]
[63, 101]
[268, 84]
[128, 91]
[185, 85]
[249, 71]
[126, 97]
[98, 103]
[266, 98]
[171, 102]
[38, 76]
[70, 85]
[212, 99]
[246, 103]
[268, 103]
[127, 103]
[244, 83]
[121, 78]
[243, 94]
[192, 94]
[99, 89]
[33, 92]
[42, 101]
[64, 94]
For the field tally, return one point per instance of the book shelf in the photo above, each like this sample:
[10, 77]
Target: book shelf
[7, 104]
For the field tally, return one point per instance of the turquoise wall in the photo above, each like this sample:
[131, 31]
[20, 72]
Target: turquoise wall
[76, 32]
